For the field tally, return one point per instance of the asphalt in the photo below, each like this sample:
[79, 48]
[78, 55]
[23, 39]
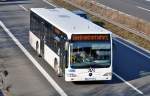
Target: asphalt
[26, 80]
[137, 8]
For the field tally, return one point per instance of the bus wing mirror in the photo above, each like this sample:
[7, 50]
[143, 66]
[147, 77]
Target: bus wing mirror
[66, 46]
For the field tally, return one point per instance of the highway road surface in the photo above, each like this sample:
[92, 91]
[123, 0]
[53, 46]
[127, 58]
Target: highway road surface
[137, 8]
[131, 65]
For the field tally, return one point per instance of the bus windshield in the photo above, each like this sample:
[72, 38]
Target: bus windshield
[90, 54]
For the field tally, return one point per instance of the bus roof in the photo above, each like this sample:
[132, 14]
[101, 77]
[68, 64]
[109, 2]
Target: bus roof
[69, 22]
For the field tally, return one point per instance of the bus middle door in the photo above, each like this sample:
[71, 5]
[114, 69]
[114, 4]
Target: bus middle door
[42, 38]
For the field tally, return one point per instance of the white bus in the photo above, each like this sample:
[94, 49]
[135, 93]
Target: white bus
[73, 46]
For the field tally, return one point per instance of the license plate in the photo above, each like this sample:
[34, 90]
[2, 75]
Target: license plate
[90, 78]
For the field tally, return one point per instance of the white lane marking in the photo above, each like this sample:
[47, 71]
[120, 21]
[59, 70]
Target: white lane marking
[23, 7]
[143, 8]
[133, 49]
[128, 83]
[49, 3]
[38, 66]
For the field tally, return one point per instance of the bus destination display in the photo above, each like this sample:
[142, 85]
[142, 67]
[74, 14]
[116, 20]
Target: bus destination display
[90, 37]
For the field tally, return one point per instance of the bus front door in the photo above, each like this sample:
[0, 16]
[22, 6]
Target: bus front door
[62, 57]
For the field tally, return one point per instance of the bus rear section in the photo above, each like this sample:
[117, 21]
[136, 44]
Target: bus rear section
[90, 58]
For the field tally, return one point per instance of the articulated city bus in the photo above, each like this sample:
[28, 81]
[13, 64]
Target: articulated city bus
[74, 47]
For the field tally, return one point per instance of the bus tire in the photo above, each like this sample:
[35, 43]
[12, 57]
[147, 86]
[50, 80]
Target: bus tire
[37, 47]
[57, 68]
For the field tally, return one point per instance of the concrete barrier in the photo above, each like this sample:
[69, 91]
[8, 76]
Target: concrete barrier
[134, 24]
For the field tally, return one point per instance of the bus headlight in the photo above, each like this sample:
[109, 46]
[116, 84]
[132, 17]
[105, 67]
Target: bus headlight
[71, 75]
[107, 74]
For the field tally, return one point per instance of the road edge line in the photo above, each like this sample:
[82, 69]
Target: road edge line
[30, 57]
[23, 7]
[128, 83]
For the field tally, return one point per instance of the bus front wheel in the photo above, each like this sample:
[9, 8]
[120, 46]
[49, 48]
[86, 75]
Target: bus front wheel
[57, 68]
[37, 47]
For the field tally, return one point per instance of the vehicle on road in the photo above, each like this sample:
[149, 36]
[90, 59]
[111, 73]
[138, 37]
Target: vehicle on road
[81, 13]
[74, 47]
